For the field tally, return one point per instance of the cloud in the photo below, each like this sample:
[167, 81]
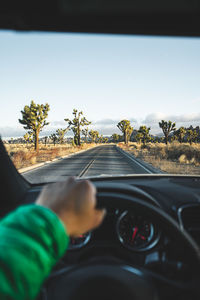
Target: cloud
[11, 131]
[16, 132]
[111, 122]
[185, 120]
[109, 126]
[153, 118]
[60, 123]
[104, 126]
[107, 130]
[156, 117]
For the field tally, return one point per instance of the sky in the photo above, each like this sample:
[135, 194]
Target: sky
[108, 77]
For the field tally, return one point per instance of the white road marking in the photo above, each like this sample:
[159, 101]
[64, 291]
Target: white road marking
[135, 161]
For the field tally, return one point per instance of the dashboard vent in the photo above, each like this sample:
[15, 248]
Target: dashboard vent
[189, 217]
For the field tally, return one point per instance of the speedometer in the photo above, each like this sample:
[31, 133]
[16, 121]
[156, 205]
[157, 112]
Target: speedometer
[136, 232]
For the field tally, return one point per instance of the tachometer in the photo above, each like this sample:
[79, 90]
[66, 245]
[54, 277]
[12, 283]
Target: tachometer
[136, 232]
[80, 241]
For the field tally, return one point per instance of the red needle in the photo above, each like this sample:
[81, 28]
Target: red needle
[142, 237]
[134, 233]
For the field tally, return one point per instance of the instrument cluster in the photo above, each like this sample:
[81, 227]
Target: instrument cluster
[134, 231]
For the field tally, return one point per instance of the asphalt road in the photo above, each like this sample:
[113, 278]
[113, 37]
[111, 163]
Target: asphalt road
[102, 160]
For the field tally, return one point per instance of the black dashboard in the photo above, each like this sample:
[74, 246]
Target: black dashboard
[170, 191]
[127, 235]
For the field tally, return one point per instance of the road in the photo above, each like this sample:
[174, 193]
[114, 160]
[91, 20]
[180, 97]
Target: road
[102, 160]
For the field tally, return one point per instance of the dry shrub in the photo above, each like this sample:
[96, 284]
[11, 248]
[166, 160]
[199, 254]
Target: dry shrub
[184, 152]
[24, 155]
[23, 158]
[182, 159]
[18, 158]
[121, 144]
[48, 154]
[174, 158]
[135, 146]
[33, 160]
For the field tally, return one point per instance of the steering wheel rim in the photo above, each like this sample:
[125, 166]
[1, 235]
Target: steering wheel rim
[143, 201]
[110, 195]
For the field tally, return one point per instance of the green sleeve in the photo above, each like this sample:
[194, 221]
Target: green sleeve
[32, 239]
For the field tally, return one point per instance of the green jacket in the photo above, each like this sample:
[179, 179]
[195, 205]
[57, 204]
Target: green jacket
[32, 239]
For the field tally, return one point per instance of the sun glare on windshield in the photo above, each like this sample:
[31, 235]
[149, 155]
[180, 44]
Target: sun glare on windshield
[99, 105]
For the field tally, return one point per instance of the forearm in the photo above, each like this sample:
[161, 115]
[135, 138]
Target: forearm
[32, 239]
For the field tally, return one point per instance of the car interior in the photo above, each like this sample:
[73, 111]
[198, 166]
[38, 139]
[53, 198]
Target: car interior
[164, 260]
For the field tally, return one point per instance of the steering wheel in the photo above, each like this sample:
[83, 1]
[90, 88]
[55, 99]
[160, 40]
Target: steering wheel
[106, 280]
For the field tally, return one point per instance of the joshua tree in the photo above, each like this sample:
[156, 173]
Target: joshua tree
[28, 137]
[34, 119]
[144, 134]
[76, 125]
[54, 138]
[167, 127]
[115, 137]
[94, 134]
[126, 129]
[105, 140]
[180, 133]
[192, 136]
[138, 137]
[174, 138]
[100, 138]
[45, 140]
[60, 134]
[85, 133]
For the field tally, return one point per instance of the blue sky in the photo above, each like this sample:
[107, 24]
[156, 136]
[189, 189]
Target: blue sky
[109, 77]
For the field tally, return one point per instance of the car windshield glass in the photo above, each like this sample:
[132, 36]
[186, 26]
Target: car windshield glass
[99, 105]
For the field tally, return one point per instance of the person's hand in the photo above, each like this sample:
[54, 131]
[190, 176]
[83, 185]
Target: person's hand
[74, 203]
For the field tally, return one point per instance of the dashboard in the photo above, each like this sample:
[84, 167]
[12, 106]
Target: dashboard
[132, 230]
[131, 236]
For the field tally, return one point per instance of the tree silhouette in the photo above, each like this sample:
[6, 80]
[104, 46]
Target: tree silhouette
[115, 137]
[76, 125]
[28, 137]
[105, 140]
[34, 118]
[126, 129]
[60, 134]
[85, 133]
[45, 140]
[144, 134]
[54, 138]
[180, 133]
[192, 136]
[167, 127]
[94, 135]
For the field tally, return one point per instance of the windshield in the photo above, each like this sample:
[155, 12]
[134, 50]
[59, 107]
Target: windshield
[99, 105]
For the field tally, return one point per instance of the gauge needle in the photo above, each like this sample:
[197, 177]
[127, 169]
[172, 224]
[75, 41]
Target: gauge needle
[142, 237]
[134, 233]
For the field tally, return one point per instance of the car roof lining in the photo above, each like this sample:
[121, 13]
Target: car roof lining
[167, 18]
